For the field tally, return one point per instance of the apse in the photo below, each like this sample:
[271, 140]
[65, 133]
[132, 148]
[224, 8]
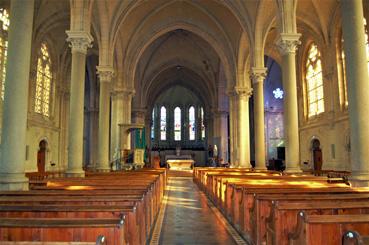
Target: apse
[177, 120]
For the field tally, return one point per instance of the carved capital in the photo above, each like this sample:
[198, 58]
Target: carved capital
[138, 113]
[243, 92]
[288, 42]
[123, 93]
[258, 74]
[106, 73]
[80, 41]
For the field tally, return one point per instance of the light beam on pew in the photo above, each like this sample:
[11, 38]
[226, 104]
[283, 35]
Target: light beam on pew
[78, 187]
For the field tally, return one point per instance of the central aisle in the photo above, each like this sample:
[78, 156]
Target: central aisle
[190, 218]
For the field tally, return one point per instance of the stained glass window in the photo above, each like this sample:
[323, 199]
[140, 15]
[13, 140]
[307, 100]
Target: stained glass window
[177, 124]
[314, 82]
[191, 120]
[163, 123]
[153, 124]
[202, 124]
[43, 82]
[4, 25]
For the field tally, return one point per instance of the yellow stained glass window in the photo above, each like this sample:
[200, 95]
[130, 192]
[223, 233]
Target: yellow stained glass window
[43, 82]
[314, 82]
[4, 26]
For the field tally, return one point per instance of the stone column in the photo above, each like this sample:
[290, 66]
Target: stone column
[287, 45]
[221, 131]
[14, 125]
[232, 128]
[357, 90]
[243, 95]
[258, 76]
[79, 42]
[127, 108]
[116, 119]
[105, 75]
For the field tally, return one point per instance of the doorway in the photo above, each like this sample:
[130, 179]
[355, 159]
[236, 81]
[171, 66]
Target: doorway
[317, 155]
[41, 156]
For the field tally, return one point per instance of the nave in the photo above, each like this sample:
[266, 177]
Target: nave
[190, 218]
[210, 206]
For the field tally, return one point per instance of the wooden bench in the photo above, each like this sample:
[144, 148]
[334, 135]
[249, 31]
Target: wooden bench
[326, 229]
[62, 231]
[248, 198]
[283, 219]
[263, 205]
[354, 238]
[135, 196]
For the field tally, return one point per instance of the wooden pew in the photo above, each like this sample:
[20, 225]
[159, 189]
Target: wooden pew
[354, 238]
[93, 231]
[136, 195]
[327, 229]
[263, 205]
[283, 219]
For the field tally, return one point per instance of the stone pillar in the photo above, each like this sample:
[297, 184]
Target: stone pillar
[221, 131]
[79, 42]
[116, 119]
[358, 88]
[243, 95]
[287, 45]
[258, 76]
[127, 108]
[14, 125]
[232, 128]
[105, 75]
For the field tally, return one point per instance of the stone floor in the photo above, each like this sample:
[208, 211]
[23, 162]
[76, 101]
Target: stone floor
[188, 217]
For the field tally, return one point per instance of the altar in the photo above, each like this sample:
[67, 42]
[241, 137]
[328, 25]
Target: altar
[179, 161]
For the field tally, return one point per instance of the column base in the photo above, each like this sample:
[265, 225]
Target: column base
[13, 182]
[359, 179]
[293, 170]
[75, 173]
[260, 168]
[102, 169]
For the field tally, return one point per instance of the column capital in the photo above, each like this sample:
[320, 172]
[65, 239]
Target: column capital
[123, 92]
[287, 42]
[139, 112]
[258, 74]
[79, 41]
[106, 73]
[243, 92]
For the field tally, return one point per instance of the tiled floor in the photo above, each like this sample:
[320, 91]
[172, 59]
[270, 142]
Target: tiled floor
[188, 218]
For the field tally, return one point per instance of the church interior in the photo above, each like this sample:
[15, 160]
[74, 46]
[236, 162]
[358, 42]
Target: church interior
[184, 122]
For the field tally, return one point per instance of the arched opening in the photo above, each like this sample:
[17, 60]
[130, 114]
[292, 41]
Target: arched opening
[41, 156]
[317, 154]
[274, 114]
